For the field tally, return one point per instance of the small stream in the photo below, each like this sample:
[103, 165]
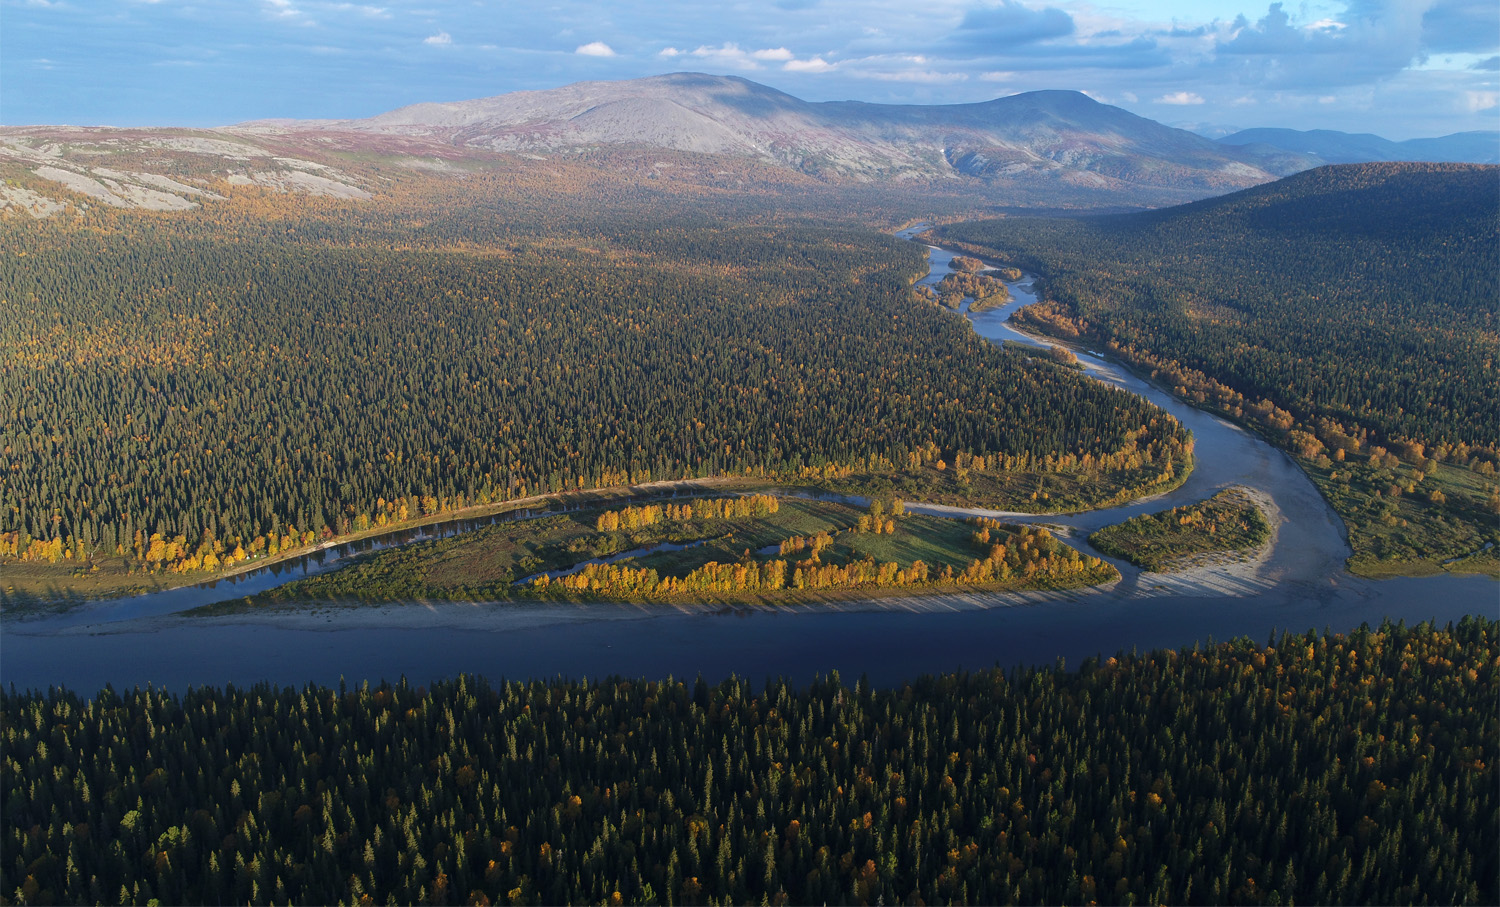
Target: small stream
[325, 559]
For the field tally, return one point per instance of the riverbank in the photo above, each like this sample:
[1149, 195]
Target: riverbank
[1411, 515]
[32, 589]
[757, 549]
[511, 616]
[1298, 582]
[889, 641]
[1229, 526]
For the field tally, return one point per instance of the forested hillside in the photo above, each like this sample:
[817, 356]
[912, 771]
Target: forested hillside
[1355, 769]
[1348, 311]
[1360, 296]
[189, 391]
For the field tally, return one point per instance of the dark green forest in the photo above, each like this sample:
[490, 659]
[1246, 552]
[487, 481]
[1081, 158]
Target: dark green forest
[187, 393]
[1313, 769]
[1357, 299]
[1347, 313]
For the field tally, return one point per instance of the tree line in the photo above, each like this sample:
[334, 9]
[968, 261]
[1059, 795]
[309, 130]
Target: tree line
[732, 508]
[1014, 554]
[181, 393]
[1353, 303]
[1353, 768]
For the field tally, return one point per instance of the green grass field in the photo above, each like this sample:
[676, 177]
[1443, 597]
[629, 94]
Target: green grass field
[1228, 522]
[1406, 522]
[490, 564]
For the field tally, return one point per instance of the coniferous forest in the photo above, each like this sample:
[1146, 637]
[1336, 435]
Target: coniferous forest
[1347, 313]
[193, 391]
[189, 391]
[1359, 299]
[1332, 769]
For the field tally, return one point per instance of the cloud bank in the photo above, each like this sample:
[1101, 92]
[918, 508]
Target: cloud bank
[1397, 67]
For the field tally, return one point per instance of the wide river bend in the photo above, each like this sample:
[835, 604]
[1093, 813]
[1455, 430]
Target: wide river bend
[1299, 584]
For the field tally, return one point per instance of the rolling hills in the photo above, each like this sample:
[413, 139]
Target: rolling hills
[1042, 134]
[1334, 147]
[1038, 148]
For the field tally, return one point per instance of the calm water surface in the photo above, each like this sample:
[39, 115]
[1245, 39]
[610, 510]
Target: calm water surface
[1301, 585]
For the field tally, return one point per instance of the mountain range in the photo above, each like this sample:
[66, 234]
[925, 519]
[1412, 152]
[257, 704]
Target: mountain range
[1039, 147]
[1039, 135]
[1333, 147]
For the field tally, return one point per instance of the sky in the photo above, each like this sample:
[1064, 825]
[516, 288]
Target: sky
[1397, 68]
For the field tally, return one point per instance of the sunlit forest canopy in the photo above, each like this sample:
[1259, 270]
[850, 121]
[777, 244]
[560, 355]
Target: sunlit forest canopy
[1357, 301]
[278, 369]
[1334, 769]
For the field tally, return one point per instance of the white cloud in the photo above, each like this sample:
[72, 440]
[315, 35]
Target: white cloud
[1433, 66]
[1482, 100]
[816, 64]
[374, 12]
[927, 76]
[731, 54]
[727, 54]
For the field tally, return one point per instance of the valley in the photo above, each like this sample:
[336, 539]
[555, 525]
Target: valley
[1297, 309]
[1300, 578]
[671, 491]
[806, 360]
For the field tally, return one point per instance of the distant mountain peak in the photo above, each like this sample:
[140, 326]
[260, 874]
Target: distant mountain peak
[1056, 147]
[1336, 147]
[1041, 135]
[1055, 98]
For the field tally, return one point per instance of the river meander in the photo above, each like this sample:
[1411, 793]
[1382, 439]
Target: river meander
[1299, 584]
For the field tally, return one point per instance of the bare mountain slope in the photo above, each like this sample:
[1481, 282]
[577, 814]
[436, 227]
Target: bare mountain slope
[1044, 147]
[1047, 134]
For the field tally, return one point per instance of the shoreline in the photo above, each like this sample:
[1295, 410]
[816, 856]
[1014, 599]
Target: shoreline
[1222, 576]
[511, 616]
[1213, 576]
[71, 603]
[40, 606]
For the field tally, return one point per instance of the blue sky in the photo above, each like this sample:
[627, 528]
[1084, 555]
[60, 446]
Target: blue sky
[1399, 68]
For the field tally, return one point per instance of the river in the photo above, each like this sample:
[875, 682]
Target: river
[1300, 584]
